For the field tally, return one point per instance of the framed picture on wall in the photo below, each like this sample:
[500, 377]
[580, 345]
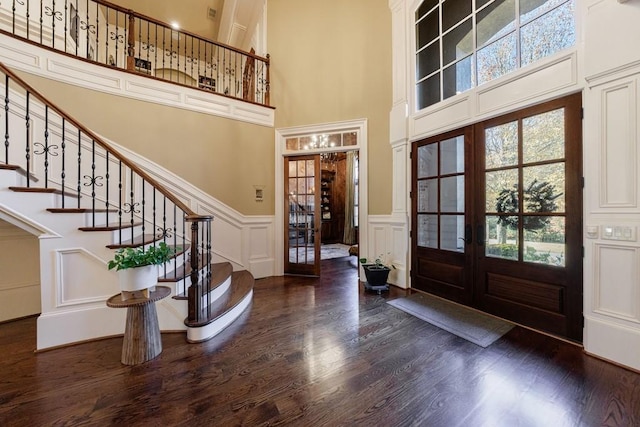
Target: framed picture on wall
[207, 83]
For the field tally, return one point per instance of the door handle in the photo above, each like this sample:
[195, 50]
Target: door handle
[480, 234]
[468, 234]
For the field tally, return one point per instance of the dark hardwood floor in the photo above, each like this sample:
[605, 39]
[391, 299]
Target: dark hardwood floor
[316, 352]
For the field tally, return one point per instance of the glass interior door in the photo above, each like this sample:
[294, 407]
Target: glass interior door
[302, 205]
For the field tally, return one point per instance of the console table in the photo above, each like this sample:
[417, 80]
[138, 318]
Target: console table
[142, 340]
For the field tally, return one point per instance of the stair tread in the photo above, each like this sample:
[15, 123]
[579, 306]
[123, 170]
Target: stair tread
[19, 169]
[49, 190]
[5, 166]
[219, 273]
[110, 227]
[241, 284]
[80, 210]
[136, 241]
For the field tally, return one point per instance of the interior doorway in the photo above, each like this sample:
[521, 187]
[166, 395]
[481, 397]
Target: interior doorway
[328, 143]
[497, 215]
[322, 209]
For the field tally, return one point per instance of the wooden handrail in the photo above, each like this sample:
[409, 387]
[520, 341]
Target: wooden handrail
[226, 78]
[189, 33]
[148, 178]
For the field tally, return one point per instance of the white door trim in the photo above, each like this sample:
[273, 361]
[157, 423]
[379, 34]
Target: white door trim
[359, 126]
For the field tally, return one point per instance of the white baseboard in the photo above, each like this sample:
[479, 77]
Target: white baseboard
[603, 339]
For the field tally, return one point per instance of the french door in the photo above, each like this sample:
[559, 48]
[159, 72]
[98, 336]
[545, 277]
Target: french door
[497, 209]
[302, 215]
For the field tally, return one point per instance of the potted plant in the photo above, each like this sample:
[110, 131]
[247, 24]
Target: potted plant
[376, 272]
[137, 267]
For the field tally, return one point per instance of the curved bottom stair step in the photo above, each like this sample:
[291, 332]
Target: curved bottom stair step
[219, 273]
[224, 310]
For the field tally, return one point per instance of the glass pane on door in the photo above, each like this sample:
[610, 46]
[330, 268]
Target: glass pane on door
[441, 195]
[525, 186]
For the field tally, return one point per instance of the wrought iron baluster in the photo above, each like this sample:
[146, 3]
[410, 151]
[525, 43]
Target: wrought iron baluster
[185, 58]
[76, 18]
[6, 118]
[55, 15]
[163, 48]
[64, 147]
[93, 183]
[140, 40]
[87, 31]
[66, 17]
[171, 52]
[106, 178]
[185, 254]
[143, 217]
[97, 50]
[208, 254]
[155, 54]
[28, 140]
[193, 59]
[220, 68]
[132, 201]
[106, 40]
[175, 237]
[46, 146]
[153, 213]
[41, 23]
[117, 38]
[79, 188]
[13, 17]
[120, 202]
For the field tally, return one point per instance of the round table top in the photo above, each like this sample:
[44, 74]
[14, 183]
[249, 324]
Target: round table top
[160, 292]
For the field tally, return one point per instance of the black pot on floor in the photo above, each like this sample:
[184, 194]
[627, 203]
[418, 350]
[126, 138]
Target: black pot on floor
[377, 275]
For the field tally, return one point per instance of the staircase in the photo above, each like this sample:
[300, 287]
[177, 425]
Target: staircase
[84, 200]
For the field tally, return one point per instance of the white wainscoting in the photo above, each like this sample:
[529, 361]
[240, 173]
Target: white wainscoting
[389, 239]
[612, 263]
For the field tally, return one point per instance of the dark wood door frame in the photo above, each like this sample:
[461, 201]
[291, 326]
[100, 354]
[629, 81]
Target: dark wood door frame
[544, 296]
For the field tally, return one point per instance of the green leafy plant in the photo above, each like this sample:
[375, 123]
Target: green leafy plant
[139, 257]
[379, 262]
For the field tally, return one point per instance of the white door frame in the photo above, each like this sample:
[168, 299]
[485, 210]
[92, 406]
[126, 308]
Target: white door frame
[360, 127]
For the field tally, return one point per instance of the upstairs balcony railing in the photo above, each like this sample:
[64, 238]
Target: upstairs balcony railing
[113, 36]
[57, 154]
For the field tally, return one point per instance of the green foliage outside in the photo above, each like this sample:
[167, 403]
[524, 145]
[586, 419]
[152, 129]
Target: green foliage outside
[510, 251]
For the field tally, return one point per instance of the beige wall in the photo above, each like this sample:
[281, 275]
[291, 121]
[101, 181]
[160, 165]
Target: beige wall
[225, 158]
[331, 61]
[20, 267]
[190, 14]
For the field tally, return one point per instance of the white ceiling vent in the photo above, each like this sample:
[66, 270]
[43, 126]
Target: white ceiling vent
[211, 13]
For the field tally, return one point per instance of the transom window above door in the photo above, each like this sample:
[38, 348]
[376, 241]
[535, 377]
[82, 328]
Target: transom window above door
[321, 141]
[461, 44]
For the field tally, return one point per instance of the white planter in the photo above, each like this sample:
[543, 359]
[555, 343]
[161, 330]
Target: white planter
[136, 279]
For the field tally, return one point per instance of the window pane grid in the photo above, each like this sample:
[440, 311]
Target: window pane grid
[441, 195]
[505, 35]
